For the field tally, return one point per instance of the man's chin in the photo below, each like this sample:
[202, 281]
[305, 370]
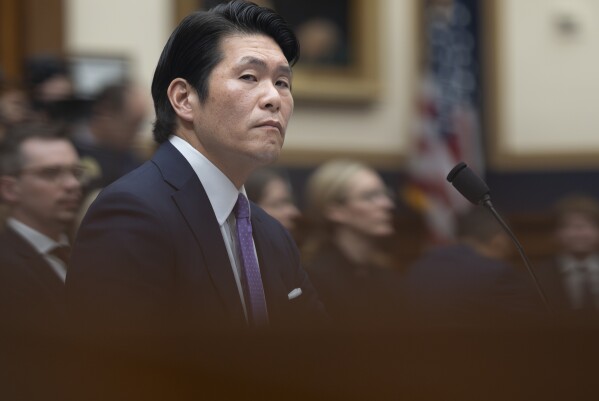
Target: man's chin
[67, 217]
[268, 157]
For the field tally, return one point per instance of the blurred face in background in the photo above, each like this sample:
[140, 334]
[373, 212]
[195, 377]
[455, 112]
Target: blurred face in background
[119, 129]
[277, 201]
[46, 192]
[578, 234]
[14, 107]
[366, 208]
[58, 87]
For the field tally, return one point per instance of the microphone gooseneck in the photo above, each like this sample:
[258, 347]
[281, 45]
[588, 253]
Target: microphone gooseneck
[473, 188]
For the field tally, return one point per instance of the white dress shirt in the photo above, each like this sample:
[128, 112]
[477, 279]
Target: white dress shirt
[579, 274]
[222, 195]
[42, 244]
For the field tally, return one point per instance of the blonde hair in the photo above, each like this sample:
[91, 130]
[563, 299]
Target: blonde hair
[328, 185]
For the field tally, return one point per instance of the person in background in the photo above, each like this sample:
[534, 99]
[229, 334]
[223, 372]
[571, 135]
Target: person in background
[50, 89]
[14, 107]
[39, 182]
[350, 213]
[571, 276]
[174, 247]
[106, 141]
[322, 42]
[470, 283]
[269, 189]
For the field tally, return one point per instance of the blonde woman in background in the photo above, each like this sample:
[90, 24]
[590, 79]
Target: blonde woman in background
[350, 212]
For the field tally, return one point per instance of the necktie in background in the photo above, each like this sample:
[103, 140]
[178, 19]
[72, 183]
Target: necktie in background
[62, 252]
[253, 289]
[586, 289]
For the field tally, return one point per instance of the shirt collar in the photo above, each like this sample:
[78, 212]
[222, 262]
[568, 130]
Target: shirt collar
[569, 263]
[221, 191]
[39, 241]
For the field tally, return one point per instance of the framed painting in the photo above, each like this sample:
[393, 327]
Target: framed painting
[542, 90]
[91, 72]
[339, 59]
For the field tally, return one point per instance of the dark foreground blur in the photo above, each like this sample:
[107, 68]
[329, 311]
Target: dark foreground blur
[539, 362]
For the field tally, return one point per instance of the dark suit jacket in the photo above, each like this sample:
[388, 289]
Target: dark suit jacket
[552, 281]
[31, 294]
[150, 255]
[361, 296]
[456, 286]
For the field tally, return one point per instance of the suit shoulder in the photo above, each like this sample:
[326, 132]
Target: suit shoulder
[11, 243]
[136, 180]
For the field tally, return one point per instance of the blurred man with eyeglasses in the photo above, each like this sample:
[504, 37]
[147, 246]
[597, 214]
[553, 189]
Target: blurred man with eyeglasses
[40, 182]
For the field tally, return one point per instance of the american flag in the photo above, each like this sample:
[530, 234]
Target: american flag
[447, 129]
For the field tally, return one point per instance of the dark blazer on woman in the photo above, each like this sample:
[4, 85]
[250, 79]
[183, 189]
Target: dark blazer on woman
[355, 295]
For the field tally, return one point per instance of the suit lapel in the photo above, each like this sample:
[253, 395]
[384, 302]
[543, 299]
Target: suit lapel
[193, 203]
[35, 264]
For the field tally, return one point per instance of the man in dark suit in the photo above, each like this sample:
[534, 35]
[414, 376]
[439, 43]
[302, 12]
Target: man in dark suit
[571, 277]
[470, 283]
[40, 184]
[159, 252]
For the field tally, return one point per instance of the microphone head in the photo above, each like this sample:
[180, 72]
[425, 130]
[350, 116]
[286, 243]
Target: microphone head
[471, 186]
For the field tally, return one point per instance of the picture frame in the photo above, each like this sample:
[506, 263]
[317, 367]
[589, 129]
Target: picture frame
[349, 73]
[525, 88]
[92, 72]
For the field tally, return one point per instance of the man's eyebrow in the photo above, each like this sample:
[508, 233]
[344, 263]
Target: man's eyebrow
[283, 69]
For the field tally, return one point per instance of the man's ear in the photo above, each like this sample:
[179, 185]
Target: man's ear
[10, 191]
[182, 96]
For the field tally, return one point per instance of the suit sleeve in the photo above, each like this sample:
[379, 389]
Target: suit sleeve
[306, 310]
[121, 268]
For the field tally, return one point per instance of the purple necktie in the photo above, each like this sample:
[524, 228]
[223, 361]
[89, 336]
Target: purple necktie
[253, 290]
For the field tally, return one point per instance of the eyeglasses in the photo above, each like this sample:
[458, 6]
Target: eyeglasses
[372, 196]
[57, 174]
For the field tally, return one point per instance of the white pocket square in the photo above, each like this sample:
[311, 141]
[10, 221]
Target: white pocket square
[294, 294]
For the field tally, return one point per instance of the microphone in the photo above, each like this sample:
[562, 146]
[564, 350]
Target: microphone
[473, 188]
[469, 184]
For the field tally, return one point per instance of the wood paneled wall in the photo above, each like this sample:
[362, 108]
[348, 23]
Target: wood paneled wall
[29, 27]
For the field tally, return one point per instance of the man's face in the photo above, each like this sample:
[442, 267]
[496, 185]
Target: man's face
[46, 193]
[121, 128]
[578, 234]
[242, 123]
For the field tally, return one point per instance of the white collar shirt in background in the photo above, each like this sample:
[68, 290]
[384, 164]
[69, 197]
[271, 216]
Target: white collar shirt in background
[577, 275]
[42, 244]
